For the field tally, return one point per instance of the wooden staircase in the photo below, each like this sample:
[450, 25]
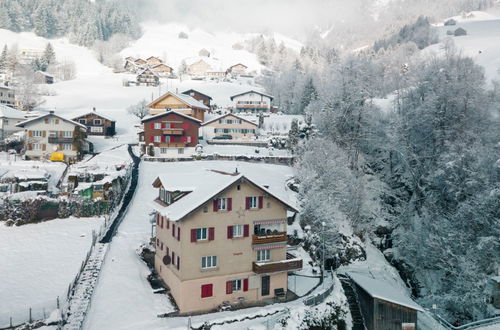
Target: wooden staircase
[352, 299]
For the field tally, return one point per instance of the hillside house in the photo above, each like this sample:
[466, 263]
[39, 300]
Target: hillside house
[140, 62]
[180, 103]
[199, 68]
[130, 66]
[229, 125]
[43, 78]
[383, 306]
[9, 118]
[203, 98]
[153, 60]
[220, 238]
[169, 134]
[252, 101]
[147, 77]
[237, 69]
[7, 96]
[162, 70]
[51, 134]
[97, 124]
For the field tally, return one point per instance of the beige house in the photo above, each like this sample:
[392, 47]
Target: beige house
[50, 133]
[229, 125]
[181, 103]
[153, 60]
[220, 238]
[199, 68]
[237, 69]
[9, 118]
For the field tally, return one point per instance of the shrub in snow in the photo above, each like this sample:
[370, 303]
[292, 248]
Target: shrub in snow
[460, 32]
[451, 21]
[183, 35]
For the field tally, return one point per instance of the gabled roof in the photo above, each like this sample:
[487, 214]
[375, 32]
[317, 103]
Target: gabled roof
[160, 64]
[24, 123]
[382, 290]
[154, 58]
[139, 59]
[167, 113]
[194, 90]
[8, 112]
[228, 114]
[200, 190]
[93, 113]
[232, 66]
[147, 69]
[186, 99]
[252, 91]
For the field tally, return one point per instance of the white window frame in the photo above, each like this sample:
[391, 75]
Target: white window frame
[52, 133]
[254, 202]
[157, 126]
[237, 285]
[68, 134]
[238, 231]
[209, 262]
[36, 133]
[82, 121]
[97, 122]
[37, 146]
[264, 255]
[222, 204]
[67, 146]
[163, 150]
[157, 138]
[201, 234]
[180, 151]
[96, 129]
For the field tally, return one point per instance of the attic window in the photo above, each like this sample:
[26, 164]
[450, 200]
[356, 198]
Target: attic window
[238, 187]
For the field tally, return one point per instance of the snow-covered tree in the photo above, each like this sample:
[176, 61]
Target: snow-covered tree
[140, 110]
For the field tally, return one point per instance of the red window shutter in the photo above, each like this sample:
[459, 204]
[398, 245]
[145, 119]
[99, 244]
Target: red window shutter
[245, 284]
[216, 205]
[151, 139]
[184, 138]
[173, 230]
[229, 204]
[229, 231]
[185, 126]
[229, 287]
[152, 125]
[193, 235]
[247, 203]
[246, 230]
[163, 139]
[261, 202]
[206, 290]
[172, 125]
[163, 125]
[178, 233]
[211, 233]
[178, 262]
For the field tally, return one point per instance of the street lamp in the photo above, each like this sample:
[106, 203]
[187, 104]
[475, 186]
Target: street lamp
[323, 224]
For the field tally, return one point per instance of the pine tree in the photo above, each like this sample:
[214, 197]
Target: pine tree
[3, 60]
[308, 95]
[49, 55]
[44, 22]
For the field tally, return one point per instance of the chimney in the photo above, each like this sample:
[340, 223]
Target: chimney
[51, 112]
[93, 109]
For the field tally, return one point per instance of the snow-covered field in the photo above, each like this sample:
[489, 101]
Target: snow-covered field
[38, 262]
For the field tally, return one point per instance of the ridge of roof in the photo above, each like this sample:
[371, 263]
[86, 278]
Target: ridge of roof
[183, 98]
[22, 124]
[170, 112]
[252, 91]
[225, 115]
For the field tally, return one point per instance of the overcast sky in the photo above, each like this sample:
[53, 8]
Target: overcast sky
[292, 17]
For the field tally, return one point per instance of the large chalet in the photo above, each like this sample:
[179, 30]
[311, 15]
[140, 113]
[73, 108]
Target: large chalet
[180, 103]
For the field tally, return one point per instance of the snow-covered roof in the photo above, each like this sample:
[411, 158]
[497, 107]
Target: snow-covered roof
[161, 64]
[232, 66]
[199, 190]
[228, 114]
[45, 74]
[147, 69]
[194, 90]
[24, 123]
[93, 113]
[148, 118]
[188, 100]
[252, 91]
[8, 112]
[380, 289]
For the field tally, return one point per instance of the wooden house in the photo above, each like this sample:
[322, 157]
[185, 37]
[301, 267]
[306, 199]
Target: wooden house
[97, 124]
[153, 60]
[162, 70]
[140, 62]
[147, 77]
[170, 134]
[383, 306]
[180, 103]
[43, 78]
[237, 69]
[203, 98]
[130, 66]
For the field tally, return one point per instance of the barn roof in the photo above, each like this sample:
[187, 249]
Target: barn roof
[382, 290]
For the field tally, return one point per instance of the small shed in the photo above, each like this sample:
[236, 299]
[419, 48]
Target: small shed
[383, 306]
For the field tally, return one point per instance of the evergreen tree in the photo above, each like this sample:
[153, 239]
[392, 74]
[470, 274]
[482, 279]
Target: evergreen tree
[3, 59]
[44, 21]
[49, 55]
[308, 95]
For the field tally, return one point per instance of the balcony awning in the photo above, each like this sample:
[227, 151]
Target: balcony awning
[269, 222]
[269, 246]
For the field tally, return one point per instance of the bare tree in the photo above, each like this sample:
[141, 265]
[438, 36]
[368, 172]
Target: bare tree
[27, 93]
[139, 110]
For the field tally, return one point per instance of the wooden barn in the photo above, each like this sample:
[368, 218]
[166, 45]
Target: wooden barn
[97, 124]
[383, 306]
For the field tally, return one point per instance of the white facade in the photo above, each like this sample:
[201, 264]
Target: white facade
[9, 118]
[7, 95]
[251, 102]
[174, 152]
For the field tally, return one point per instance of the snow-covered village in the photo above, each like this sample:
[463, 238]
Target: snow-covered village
[260, 165]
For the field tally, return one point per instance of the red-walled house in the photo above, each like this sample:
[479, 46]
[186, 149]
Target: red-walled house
[170, 134]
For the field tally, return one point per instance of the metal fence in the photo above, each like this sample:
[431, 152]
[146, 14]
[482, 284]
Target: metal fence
[319, 298]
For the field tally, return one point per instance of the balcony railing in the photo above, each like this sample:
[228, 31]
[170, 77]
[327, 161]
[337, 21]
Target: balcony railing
[173, 145]
[173, 131]
[269, 238]
[60, 140]
[277, 266]
[252, 106]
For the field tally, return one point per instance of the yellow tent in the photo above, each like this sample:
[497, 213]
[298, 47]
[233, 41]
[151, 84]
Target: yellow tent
[57, 157]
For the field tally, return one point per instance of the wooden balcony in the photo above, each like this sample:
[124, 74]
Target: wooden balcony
[252, 106]
[277, 266]
[269, 238]
[60, 140]
[173, 145]
[173, 131]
